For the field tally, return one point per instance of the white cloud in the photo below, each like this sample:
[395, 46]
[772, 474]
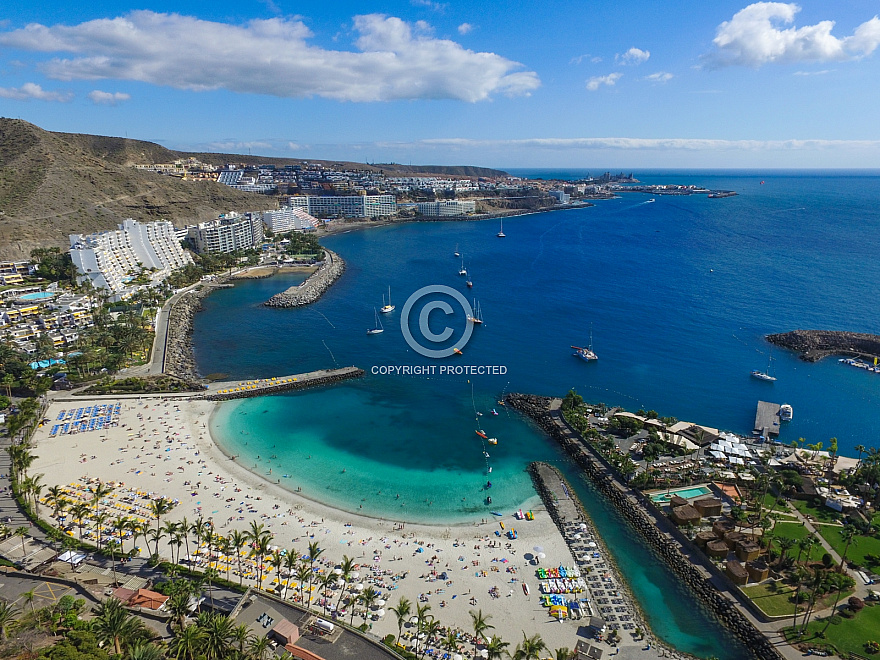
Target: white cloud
[30, 91]
[396, 59]
[108, 98]
[436, 6]
[464, 28]
[237, 146]
[752, 38]
[812, 73]
[581, 58]
[633, 56]
[626, 143]
[660, 77]
[597, 81]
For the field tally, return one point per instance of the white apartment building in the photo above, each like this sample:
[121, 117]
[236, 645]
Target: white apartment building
[111, 259]
[228, 233]
[354, 206]
[289, 219]
[561, 196]
[449, 207]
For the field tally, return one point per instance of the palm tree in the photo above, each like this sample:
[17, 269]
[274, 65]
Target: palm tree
[145, 651]
[238, 539]
[112, 547]
[450, 642]
[113, 624]
[98, 493]
[303, 574]
[218, 634]
[807, 544]
[172, 532]
[848, 534]
[276, 561]
[346, 568]
[79, 511]
[496, 648]
[327, 581]
[28, 597]
[314, 553]
[56, 498]
[224, 547]
[178, 606]
[21, 532]
[259, 550]
[240, 635]
[8, 617]
[431, 629]
[368, 598]
[530, 648]
[479, 624]
[786, 543]
[210, 575]
[259, 648]
[159, 508]
[100, 518]
[820, 580]
[861, 449]
[291, 561]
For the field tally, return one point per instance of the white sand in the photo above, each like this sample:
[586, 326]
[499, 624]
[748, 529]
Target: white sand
[169, 443]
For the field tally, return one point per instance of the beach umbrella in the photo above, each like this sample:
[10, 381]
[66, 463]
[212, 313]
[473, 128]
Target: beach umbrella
[414, 619]
[380, 612]
[355, 575]
[338, 571]
[591, 544]
[541, 555]
[538, 549]
[484, 653]
[381, 602]
[359, 587]
[578, 536]
[458, 656]
[583, 527]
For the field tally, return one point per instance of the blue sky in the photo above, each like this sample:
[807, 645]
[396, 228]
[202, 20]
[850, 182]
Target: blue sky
[506, 84]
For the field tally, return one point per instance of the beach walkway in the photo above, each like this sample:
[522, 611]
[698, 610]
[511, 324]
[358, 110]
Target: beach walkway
[221, 391]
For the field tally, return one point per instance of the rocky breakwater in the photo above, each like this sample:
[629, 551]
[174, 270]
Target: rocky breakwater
[634, 509]
[813, 345]
[179, 358]
[314, 287]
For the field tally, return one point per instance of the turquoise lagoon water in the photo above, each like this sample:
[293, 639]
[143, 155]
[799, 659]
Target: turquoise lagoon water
[679, 293]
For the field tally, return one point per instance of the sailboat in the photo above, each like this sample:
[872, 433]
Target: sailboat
[477, 318]
[501, 233]
[764, 375]
[389, 307]
[456, 253]
[463, 270]
[468, 281]
[586, 353]
[377, 329]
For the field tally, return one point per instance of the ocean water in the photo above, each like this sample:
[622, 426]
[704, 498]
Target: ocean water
[678, 294]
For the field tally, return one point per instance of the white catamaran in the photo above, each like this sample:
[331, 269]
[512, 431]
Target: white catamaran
[376, 329]
[386, 308]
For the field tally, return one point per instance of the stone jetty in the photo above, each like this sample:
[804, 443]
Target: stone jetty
[636, 509]
[179, 358]
[222, 391]
[813, 345]
[314, 287]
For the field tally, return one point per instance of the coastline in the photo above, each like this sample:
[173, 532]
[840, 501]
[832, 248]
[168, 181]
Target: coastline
[164, 447]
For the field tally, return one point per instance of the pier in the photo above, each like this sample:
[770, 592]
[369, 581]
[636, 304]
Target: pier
[767, 419]
[223, 391]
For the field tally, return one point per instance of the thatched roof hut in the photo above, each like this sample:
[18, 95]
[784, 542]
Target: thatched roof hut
[737, 572]
[684, 515]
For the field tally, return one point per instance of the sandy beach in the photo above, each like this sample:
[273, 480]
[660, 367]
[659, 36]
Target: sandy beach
[163, 448]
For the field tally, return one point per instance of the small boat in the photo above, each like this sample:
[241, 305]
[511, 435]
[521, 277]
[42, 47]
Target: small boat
[650, 200]
[494, 412]
[785, 412]
[482, 435]
[495, 513]
[469, 282]
[492, 441]
[377, 329]
[587, 353]
[477, 319]
[488, 500]
[462, 270]
[457, 351]
[486, 454]
[764, 375]
[389, 307]
[501, 234]
[456, 253]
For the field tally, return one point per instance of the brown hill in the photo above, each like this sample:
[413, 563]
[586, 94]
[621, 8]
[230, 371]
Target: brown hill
[56, 184]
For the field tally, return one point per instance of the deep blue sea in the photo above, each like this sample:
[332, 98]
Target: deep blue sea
[678, 294]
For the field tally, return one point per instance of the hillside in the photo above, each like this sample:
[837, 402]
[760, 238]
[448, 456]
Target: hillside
[56, 184]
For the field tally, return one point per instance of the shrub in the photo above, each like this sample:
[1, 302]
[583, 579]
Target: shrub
[856, 604]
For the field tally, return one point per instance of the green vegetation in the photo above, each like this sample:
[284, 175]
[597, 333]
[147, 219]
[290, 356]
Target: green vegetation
[138, 385]
[821, 512]
[797, 532]
[302, 244]
[54, 265]
[774, 598]
[863, 550]
[210, 263]
[844, 634]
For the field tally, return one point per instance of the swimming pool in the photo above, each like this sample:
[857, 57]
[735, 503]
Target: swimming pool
[37, 295]
[686, 493]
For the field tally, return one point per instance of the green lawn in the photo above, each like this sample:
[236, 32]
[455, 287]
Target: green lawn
[771, 598]
[864, 550]
[796, 531]
[850, 635]
[820, 513]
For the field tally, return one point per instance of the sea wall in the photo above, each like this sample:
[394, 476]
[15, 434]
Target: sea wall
[636, 513]
[179, 358]
[314, 379]
[813, 345]
[314, 287]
